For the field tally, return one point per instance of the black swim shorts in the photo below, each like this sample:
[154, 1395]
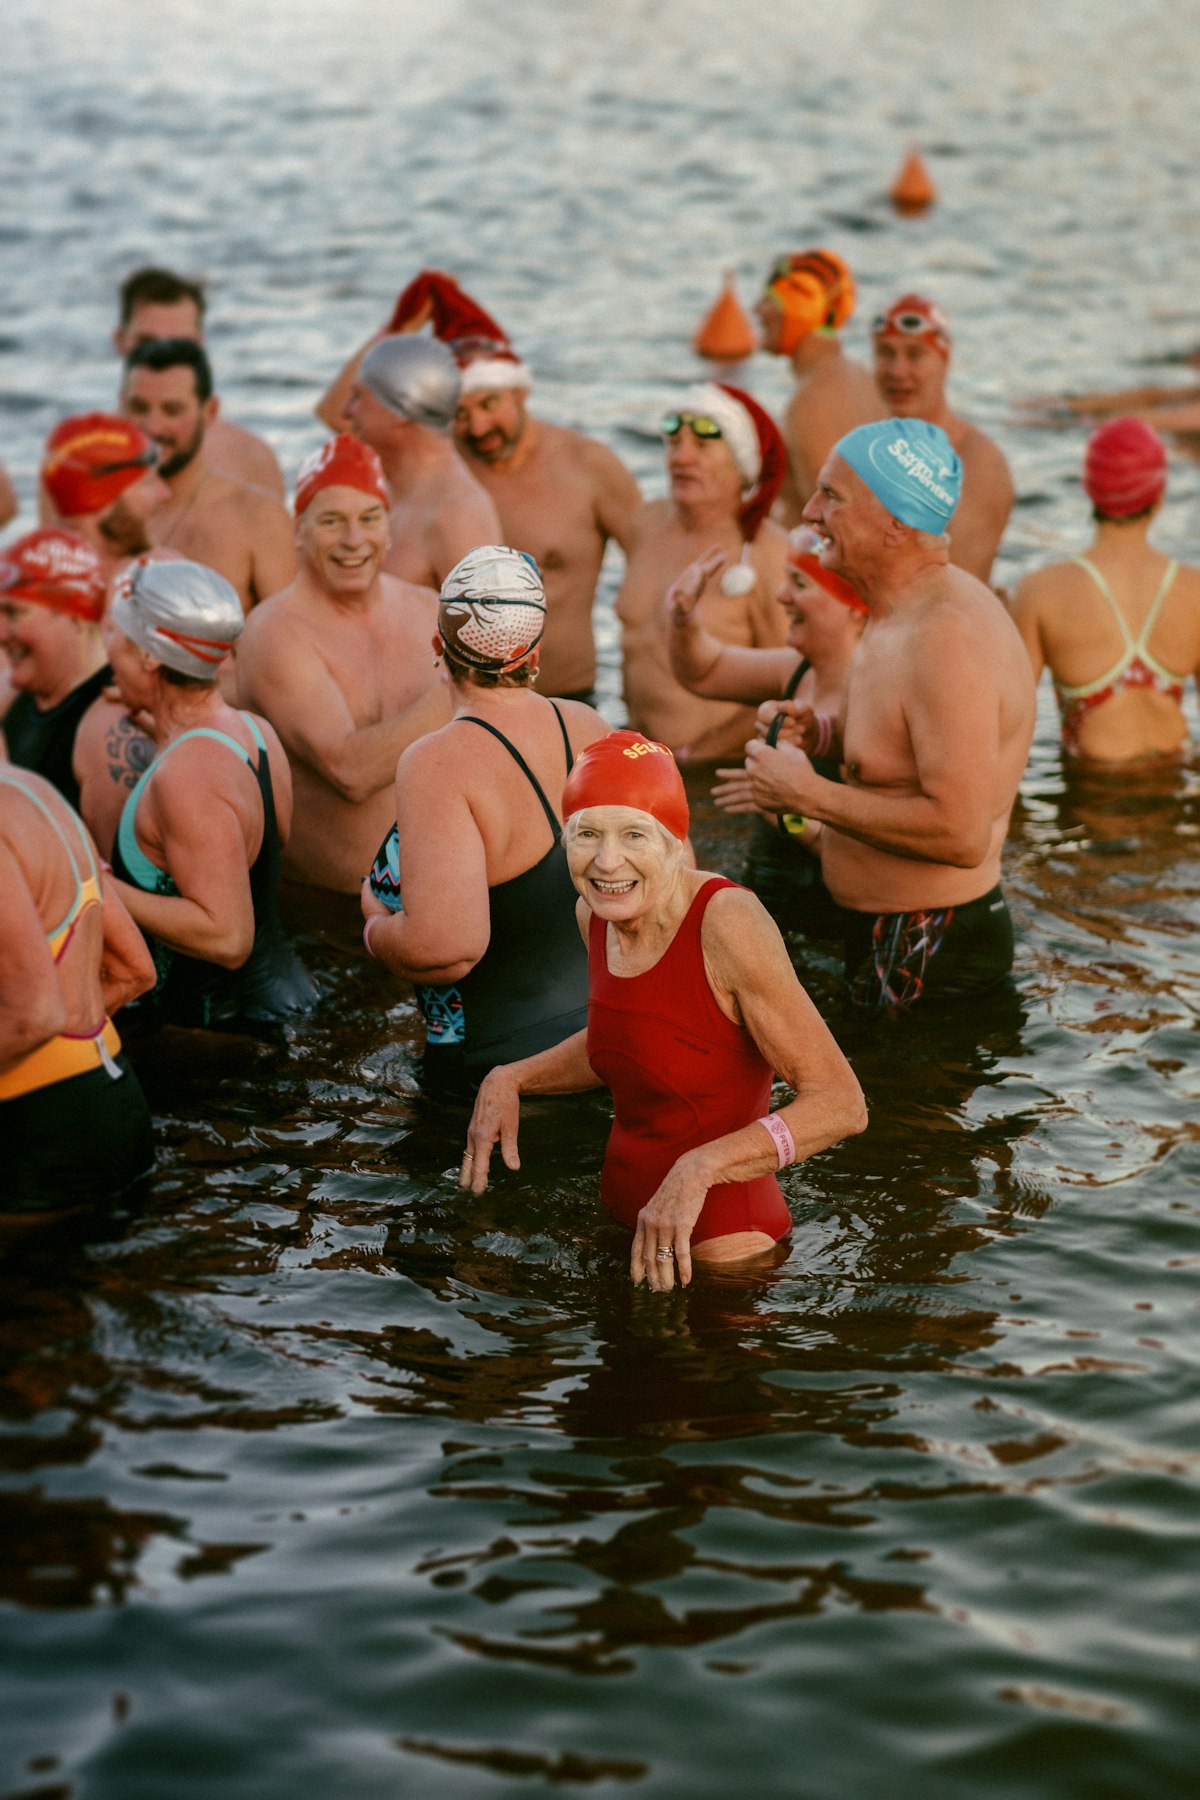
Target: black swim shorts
[898, 960]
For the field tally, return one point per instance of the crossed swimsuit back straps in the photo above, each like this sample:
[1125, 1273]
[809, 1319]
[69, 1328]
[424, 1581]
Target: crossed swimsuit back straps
[1135, 668]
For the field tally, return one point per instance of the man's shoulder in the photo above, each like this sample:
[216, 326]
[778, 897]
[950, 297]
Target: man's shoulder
[407, 599]
[980, 453]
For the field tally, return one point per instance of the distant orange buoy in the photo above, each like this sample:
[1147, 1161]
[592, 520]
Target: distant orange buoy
[726, 334]
[913, 189]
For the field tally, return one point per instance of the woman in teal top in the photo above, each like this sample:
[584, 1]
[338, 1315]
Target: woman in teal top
[197, 850]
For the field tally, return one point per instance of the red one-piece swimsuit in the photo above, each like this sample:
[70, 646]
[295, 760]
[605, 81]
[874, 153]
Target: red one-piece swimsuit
[681, 1074]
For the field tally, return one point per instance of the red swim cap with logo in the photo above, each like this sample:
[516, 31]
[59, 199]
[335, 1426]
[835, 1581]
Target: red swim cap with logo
[626, 769]
[91, 459]
[55, 569]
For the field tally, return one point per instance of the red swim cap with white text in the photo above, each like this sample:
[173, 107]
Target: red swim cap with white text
[626, 769]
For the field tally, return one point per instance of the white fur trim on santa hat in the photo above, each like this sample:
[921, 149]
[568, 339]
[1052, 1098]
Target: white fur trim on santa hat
[737, 427]
[494, 372]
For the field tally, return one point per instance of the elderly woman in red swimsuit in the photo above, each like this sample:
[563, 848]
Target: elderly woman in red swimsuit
[1118, 628]
[693, 1007]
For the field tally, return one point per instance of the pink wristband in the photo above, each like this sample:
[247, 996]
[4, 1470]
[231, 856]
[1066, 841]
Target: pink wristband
[785, 1143]
[367, 924]
[824, 734]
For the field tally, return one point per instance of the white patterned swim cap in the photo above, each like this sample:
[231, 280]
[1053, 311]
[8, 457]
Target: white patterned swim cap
[492, 610]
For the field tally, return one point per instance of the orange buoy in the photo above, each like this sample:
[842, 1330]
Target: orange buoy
[913, 189]
[726, 334]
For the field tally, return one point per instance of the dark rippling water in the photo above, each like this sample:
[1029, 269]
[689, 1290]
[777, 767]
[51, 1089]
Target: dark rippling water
[315, 1480]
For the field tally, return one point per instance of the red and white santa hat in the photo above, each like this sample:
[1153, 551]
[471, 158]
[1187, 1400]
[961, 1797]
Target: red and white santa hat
[481, 348]
[755, 443]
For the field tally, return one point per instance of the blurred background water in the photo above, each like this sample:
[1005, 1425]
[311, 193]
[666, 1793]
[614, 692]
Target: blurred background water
[315, 1479]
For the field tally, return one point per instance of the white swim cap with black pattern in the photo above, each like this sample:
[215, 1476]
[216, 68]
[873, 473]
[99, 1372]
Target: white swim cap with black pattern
[492, 609]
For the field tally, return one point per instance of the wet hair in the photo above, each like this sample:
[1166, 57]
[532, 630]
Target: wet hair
[1103, 518]
[174, 353]
[158, 287]
[521, 676]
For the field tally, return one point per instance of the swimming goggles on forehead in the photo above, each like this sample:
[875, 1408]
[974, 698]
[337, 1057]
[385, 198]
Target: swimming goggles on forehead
[908, 324]
[699, 424]
[146, 460]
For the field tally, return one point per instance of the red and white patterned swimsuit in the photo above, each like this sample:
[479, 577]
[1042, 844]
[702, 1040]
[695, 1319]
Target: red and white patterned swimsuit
[1135, 669]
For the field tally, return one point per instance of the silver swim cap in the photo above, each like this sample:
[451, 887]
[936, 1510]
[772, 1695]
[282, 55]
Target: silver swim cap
[181, 613]
[416, 377]
[492, 609]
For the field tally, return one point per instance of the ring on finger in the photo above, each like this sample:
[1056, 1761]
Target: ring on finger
[664, 1253]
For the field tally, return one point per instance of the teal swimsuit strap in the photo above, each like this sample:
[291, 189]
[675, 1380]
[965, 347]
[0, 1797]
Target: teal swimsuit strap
[9, 779]
[142, 872]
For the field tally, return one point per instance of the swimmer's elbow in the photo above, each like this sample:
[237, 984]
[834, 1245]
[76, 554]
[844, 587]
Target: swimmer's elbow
[36, 1023]
[232, 948]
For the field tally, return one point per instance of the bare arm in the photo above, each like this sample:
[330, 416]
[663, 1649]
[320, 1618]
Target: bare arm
[282, 675]
[331, 407]
[273, 550]
[430, 940]
[467, 521]
[705, 665]
[9, 506]
[748, 964]
[618, 496]
[126, 966]
[975, 532]
[953, 720]
[563, 1069]
[32, 1010]
[204, 850]
[1023, 610]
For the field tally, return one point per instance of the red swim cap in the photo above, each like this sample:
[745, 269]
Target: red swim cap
[340, 462]
[91, 459]
[803, 548]
[1124, 468]
[626, 769]
[56, 569]
[914, 318]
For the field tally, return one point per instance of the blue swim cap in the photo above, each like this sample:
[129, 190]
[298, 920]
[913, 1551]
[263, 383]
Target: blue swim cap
[911, 466]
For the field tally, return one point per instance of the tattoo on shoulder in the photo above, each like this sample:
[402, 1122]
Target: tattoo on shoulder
[129, 752]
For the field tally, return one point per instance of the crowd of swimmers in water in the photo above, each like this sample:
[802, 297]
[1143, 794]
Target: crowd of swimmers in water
[385, 692]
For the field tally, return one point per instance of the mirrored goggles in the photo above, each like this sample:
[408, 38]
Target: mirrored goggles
[699, 424]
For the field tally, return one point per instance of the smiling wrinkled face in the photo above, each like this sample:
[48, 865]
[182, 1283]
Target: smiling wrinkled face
[343, 535]
[42, 646]
[621, 860]
[851, 520]
[911, 376]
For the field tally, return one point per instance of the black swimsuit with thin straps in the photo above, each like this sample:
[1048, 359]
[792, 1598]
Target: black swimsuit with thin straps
[529, 989]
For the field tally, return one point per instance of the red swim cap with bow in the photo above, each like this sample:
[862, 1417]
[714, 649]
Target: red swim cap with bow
[626, 769]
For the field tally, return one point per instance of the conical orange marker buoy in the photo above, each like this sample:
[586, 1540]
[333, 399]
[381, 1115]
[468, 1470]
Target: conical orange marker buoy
[726, 334]
[913, 189]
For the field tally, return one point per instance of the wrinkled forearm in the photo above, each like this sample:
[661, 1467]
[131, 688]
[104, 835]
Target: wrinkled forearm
[818, 1117]
[562, 1069]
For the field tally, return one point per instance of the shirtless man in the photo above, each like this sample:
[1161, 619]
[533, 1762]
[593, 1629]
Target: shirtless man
[807, 300]
[934, 734]
[725, 461]
[559, 495]
[912, 357]
[157, 304]
[238, 530]
[402, 402]
[341, 664]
